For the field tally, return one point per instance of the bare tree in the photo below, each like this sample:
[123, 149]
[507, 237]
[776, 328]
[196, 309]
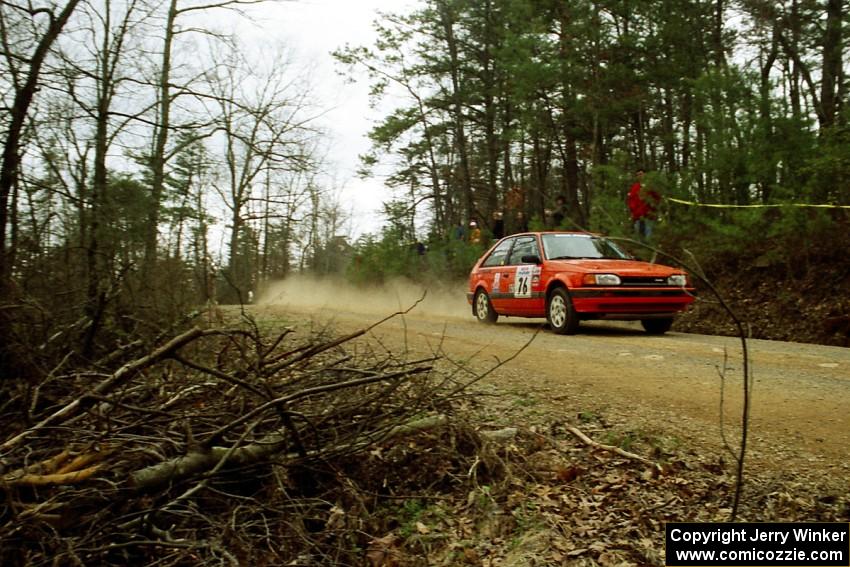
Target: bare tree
[167, 94]
[25, 71]
[261, 116]
[111, 27]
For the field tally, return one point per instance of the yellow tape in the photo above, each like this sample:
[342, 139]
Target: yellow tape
[720, 206]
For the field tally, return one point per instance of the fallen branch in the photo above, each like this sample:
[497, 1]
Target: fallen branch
[500, 435]
[282, 401]
[119, 377]
[59, 469]
[610, 448]
[46, 466]
[198, 462]
[58, 478]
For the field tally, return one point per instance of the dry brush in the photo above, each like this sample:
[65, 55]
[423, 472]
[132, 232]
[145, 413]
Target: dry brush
[217, 446]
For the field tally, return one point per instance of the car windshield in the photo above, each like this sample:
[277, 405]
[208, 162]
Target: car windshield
[574, 246]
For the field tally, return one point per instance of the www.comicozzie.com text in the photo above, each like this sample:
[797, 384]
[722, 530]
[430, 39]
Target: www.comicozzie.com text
[755, 534]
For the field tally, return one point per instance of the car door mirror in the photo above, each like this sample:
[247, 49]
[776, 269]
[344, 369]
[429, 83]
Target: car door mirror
[531, 259]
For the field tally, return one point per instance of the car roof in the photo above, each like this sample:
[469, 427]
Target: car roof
[542, 232]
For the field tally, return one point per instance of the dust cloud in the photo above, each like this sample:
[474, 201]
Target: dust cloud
[310, 293]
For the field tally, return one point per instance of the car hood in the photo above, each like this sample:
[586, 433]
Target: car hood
[622, 267]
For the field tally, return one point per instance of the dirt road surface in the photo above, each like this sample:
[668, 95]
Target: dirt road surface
[669, 385]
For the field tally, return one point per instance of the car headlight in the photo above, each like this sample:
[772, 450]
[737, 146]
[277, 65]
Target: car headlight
[679, 280]
[601, 279]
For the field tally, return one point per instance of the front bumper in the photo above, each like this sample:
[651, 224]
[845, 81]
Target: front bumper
[619, 302]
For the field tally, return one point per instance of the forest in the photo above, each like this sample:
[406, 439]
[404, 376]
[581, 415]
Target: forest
[737, 110]
[157, 165]
[121, 148]
[730, 102]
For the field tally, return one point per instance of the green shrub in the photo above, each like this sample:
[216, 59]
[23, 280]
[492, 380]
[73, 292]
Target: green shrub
[377, 260]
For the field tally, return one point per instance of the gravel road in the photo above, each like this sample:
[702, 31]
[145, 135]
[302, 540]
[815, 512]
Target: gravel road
[670, 383]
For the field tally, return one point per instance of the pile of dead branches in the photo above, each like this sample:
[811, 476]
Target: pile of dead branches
[211, 448]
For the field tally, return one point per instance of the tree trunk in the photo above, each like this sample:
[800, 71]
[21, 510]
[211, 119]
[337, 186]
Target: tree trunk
[95, 294]
[11, 143]
[490, 105]
[507, 168]
[687, 118]
[541, 158]
[832, 61]
[448, 21]
[669, 140]
[571, 176]
[157, 160]
[767, 180]
[717, 35]
[794, 86]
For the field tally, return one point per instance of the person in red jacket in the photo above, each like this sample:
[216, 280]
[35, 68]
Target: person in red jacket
[643, 204]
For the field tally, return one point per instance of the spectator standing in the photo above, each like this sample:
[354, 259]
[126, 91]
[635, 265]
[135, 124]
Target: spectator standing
[474, 232]
[498, 225]
[459, 231]
[514, 204]
[559, 215]
[520, 222]
[643, 205]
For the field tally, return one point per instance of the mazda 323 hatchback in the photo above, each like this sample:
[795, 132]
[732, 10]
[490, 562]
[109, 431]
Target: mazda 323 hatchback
[569, 277]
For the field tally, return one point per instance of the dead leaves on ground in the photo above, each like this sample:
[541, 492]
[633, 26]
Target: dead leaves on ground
[563, 502]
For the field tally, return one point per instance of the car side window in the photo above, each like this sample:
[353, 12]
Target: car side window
[499, 255]
[525, 246]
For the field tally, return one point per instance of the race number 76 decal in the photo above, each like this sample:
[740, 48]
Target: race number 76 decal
[522, 283]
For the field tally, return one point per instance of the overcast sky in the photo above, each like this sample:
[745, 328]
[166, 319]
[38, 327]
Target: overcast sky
[313, 29]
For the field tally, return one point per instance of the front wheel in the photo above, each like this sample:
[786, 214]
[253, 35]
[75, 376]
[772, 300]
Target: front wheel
[484, 311]
[560, 313]
[657, 326]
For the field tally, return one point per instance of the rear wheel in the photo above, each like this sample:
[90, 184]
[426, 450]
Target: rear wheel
[560, 313]
[657, 326]
[483, 308]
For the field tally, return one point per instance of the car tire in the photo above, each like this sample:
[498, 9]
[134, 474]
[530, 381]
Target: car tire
[484, 311]
[560, 314]
[657, 326]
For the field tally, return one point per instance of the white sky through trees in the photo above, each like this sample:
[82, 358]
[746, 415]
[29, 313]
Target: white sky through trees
[312, 29]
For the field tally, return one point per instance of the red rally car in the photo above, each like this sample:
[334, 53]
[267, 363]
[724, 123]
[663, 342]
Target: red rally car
[568, 277]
